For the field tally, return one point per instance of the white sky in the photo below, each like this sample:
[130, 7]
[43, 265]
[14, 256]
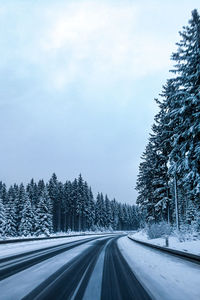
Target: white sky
[78, 79]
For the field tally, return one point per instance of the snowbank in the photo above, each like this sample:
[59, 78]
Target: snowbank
[189, 246]
[164, 276]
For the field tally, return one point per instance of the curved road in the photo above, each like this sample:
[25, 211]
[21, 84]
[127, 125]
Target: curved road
[98, 272]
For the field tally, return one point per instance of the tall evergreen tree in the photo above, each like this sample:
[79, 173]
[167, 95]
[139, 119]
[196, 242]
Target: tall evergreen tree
[100, 217]
[27, 219]
[185, 156]
[115, 214]
[144, 183]
[91, 210]
[108, 213]
[3, 192]
[44, 225]
[19, 204]
[174, 171]
[80, 201]
[74, 200]
[53, 194]
[2, 219]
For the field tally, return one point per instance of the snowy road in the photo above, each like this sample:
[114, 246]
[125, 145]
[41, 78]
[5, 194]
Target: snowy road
[103, 267]
[92, 269]
[14, 264]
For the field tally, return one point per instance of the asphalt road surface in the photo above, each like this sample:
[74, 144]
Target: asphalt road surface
[98, 272]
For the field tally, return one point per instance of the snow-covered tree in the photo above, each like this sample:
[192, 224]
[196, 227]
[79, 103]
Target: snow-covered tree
[43, 225]
[3, 192]
[170, 180]
[2, 219]
[100, 219]
[108, 213]
[185, 156]
[91, 210]
[53, 190]
[27, 219]
[115, 214]
[31, 210]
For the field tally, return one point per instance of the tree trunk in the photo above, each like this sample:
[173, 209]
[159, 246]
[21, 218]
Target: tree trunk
[176, 202]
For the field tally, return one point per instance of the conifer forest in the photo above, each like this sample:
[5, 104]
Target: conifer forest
[44, 208]
[169, 174]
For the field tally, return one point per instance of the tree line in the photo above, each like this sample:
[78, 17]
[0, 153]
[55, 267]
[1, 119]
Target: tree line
[43, 208]
[168, 182]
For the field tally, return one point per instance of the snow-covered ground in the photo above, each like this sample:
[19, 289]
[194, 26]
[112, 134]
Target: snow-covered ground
[189, 246]
[164, 276]
[58, 234]
[22, 247]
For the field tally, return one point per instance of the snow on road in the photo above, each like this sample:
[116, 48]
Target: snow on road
[22, 247]
[164, 276]
[25, 281]
[93, 290]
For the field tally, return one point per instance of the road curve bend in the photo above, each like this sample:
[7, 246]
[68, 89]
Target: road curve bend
[99, 272]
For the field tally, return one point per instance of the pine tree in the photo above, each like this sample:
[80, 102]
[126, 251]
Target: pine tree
[115, 214]
[40, 187]
[145, 200]
[2, 219]
[32, 191]
[73, 204]
[3, 192]
[100, 216]
[91, 212]
[80, 201]
[87, 208]
[11, 224]
[19, 204]
[44, 224]
[70, 206]
[53, 194]
[27, 219]
[108, 213]
[60, 190]
[66, 208]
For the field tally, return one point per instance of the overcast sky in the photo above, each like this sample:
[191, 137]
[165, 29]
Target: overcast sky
[77, 83]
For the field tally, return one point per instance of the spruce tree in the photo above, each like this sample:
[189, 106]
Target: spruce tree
[44, 225]
[145, 199]
[91, 212]
[80, 201]
[53, 194]
[32, 191]
[2, 219]
[115, 214]
[74, 200]
[86, 208]
[66, 208]
[3, 192]
[100, 211]
[11, 216]
[108, 213]
[40, 187]
[19, 204]
[27, 219]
